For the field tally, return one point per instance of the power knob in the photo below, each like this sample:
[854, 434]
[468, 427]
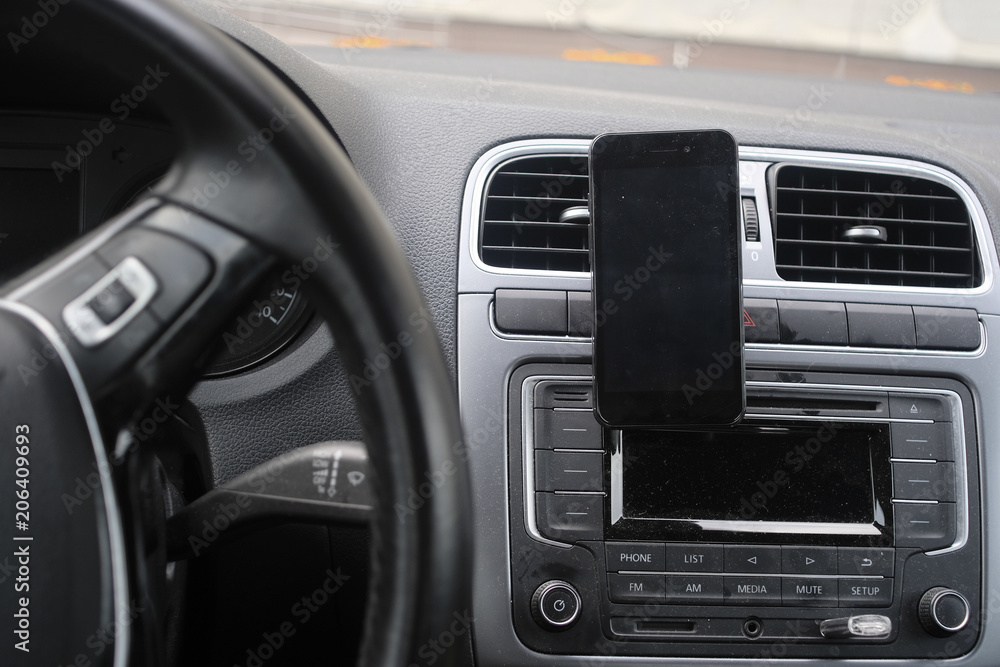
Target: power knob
[943, 611]
[555, 605]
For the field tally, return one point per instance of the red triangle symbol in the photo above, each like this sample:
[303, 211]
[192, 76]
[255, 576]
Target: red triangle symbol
[747, 320]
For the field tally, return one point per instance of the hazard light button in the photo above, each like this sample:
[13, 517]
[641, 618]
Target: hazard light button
[760, 320]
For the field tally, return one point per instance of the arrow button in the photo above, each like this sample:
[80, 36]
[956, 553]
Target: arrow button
[809, 560]
[752, 558]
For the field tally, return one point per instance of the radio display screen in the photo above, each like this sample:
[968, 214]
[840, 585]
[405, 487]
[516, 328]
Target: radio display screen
[820, 475]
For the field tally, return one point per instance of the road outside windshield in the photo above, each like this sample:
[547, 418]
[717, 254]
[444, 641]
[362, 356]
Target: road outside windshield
[951, 46]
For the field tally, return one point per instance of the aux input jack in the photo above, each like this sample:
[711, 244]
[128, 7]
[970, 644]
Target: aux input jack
[753, 628]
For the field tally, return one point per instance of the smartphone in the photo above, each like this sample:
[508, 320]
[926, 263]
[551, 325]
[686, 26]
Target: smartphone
[667, 279]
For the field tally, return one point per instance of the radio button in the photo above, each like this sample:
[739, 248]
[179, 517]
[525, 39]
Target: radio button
[753, 559]
[923, 441]
[865, 592]
[916, 406]
[567, 429]
[867, 561]
[693, 589]
[571, 518]
[634, 556]
[803, 592]
[635, 587]
[924, 525]
[924, 481]
[693, 557]
[752, 590]
[568, 471]
[809, 560]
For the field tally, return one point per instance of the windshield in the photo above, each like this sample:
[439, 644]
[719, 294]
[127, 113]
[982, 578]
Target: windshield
[945, 45]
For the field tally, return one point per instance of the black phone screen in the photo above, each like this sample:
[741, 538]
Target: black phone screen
[668, 330]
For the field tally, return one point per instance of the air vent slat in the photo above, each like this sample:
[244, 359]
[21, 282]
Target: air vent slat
[521, 226]
[869, 228]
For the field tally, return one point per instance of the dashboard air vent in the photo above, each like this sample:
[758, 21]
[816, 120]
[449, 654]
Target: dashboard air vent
[535, 214]
[857, 227]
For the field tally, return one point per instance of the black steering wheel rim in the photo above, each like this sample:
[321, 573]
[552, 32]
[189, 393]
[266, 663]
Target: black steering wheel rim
[300, 189]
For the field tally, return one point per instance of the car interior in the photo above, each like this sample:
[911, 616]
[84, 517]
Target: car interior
[315, 348]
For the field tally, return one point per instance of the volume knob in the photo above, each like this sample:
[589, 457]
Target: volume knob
[555, 605]
[943, 611]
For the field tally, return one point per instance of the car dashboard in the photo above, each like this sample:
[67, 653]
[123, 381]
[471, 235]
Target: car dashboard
[866, 363]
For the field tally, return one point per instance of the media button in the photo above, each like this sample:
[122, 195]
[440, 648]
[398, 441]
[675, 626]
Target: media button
[865, 592]
[634, 556]
[693, 558]
[803, 592]
[867, 561]
[635, 587]
[753, 558]
[752, 590]
[809, 560]
[693, 589]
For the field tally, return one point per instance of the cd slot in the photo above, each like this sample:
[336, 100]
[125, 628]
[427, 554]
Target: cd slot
[792, 401]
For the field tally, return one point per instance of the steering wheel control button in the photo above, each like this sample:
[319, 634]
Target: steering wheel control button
[924, 481]
[630, 556]
[531, 311]
[568, 471]
[917, 406]
[165, 255]
[813, 322]
[943, 611]
[693, 557]
[555, 605]
[922, 441]
[760, 321]
[947, 328]
[626, 588]
[865, 626]
[807, 592]
[928, 526]
[693, 589]
[111, 303]
[567, 429]
[570, 517]
[809, 560]
[880, 325]
[866, 561]
[865, 592]
[753, 559]
[758, 591]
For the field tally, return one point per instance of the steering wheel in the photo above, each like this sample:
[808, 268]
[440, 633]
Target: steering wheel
[90, 337]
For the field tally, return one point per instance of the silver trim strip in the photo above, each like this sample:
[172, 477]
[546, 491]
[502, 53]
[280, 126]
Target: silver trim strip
[116, 538]
[479, 175]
